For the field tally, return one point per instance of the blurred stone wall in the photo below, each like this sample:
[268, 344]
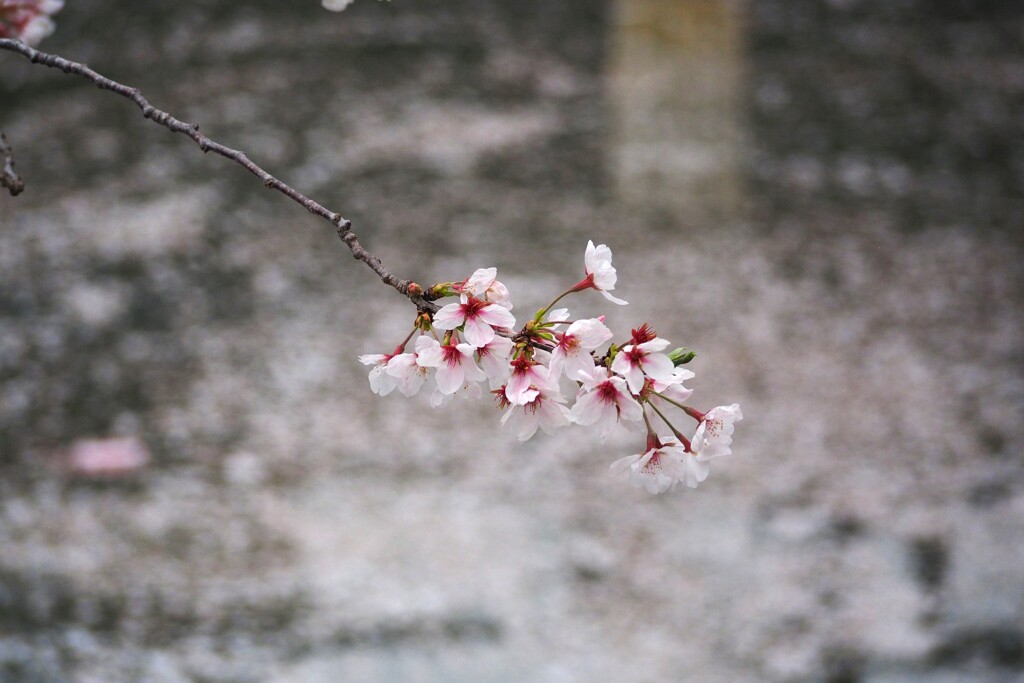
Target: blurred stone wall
[857, 287]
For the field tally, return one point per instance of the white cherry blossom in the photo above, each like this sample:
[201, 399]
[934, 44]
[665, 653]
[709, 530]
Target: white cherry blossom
[572, 350]
[557, 315]
[542, 407]
[483, 285]
[713, 437]
[381, 383]
[692, 470]
[674, 389]
[408, 371]
[657, 469]
[469, 390]
[600, 273]
[604, 400]
[477, 317]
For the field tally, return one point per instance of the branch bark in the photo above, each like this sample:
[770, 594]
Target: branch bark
[8, 178]
[206, 144]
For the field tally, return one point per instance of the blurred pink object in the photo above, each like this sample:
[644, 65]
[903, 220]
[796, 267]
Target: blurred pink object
[28, 20]
[107, 457]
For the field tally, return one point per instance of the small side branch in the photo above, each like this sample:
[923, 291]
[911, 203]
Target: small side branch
[206, 144]
[8, 178]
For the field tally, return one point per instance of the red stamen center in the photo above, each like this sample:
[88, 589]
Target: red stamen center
[643, 334]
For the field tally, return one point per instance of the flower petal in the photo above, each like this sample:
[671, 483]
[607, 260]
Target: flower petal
[497, 316]
[449, 317]
[479, 333]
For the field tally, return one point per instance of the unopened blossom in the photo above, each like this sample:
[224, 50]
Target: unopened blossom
[455, 365]
[542, 407]
[408, 370]
[572, 350]
[527, 373]
[604, 400]
[483, 284]
[600, 272]
[494, 359]
[477, 317]
[657, 469]
[381, 383]
[634, 361]
[713, 437]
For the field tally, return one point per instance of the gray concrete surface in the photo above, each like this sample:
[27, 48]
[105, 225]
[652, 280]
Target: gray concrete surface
[833, 221]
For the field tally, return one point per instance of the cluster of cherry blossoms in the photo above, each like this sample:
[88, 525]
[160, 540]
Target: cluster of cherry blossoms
[633, 384]
[28, 20]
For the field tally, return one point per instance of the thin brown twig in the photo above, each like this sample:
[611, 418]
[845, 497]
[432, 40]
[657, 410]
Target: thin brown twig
[8, 177]
[341, 224]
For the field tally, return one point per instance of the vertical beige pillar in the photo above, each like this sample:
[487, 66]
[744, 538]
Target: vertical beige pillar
[675, 77]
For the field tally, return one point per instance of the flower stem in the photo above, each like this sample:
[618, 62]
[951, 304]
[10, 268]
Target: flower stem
[692, 412]
[682, 439]
[401, 347]
[544, 311]
[647, 421]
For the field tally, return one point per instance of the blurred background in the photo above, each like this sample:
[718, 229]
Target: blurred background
[824, 199]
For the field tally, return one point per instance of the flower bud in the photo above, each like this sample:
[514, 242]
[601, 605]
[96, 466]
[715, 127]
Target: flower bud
[681, 356]
[440, 291]
[415, 290]
[424, 322]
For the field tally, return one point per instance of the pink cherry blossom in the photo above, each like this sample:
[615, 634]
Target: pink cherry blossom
[604, 400]
[477, 318]
[107, 458]
[455, 365]
[572, 350]
[542, 407]
[713, 437]
[483, 285]
[28, 20]
[526, 374]
[633, 361]
[600, 273]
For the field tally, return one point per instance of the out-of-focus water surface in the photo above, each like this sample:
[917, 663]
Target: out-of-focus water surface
[823, 198]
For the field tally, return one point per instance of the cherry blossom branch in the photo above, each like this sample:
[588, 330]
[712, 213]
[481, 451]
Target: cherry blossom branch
[8, 177]
[343, 226]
